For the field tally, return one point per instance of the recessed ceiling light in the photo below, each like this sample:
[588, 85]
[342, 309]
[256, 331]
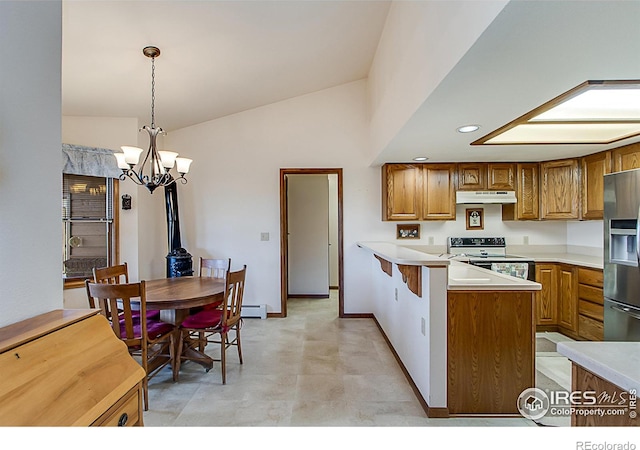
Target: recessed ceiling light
[420, 158]
[594, 112]
[468, 129]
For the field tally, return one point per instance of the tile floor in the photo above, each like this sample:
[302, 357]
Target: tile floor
[309, 369]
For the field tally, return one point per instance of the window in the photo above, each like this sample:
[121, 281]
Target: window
[88, 226]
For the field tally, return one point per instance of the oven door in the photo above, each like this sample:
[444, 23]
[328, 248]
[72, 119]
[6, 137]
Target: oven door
[519, 269]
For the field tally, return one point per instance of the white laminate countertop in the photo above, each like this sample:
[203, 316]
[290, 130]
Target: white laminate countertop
[465, 277]
[402, 255]
[616, 362]
[594, 262]
[461, 276]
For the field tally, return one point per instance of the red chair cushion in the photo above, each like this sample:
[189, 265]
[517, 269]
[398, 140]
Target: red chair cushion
[207, 318]
[152, 314]
[155, 329]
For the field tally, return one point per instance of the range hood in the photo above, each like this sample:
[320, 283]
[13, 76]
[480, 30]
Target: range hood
[479, 197]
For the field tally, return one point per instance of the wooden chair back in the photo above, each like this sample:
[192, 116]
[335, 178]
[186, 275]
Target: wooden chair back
[118, 302]
[111, 275]
[234, 293]
[214, 268]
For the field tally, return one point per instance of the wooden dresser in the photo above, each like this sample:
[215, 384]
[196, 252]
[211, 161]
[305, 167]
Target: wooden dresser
[67, 368]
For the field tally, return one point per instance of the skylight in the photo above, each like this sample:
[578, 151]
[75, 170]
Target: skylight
[595, 112]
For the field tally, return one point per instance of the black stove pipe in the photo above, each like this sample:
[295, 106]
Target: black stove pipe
[179, 261]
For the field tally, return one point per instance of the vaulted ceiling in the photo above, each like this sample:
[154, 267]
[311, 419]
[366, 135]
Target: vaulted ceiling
[223, 57]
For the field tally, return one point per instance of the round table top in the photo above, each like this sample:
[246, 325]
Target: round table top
[183, 292]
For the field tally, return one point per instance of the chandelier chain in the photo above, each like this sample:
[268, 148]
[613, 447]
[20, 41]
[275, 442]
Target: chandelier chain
[153, 92]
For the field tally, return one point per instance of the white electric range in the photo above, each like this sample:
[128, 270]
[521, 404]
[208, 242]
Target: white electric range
[490, 253]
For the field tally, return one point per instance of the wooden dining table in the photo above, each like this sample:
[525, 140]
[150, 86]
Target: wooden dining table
[176, 297]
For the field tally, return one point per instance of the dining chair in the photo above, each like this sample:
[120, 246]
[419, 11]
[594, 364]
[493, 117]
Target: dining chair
[215, 325]
[116, 275]
[214, 268]
[151, 341]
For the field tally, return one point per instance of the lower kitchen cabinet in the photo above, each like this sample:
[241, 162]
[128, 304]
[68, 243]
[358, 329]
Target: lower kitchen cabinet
[547, 297]
[571, 301]
[590, 304]
[567, 299]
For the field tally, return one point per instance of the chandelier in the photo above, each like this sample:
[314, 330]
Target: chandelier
[155, 169]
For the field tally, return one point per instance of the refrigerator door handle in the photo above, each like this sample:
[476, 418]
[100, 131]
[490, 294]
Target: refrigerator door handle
[625, 310]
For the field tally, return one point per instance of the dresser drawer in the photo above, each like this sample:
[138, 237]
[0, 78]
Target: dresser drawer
[125, 413]
[591, 277]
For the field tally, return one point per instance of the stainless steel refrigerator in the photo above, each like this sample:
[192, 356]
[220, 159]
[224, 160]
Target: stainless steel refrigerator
[622, 256]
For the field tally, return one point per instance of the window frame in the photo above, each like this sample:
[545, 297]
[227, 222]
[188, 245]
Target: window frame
[78, 282]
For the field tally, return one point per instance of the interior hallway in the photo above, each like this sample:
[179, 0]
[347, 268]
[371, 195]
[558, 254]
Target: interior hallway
[309, 369]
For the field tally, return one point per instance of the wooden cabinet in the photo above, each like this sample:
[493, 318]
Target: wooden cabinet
[418, 192]
[594, 168]
[560, 192]
[472, 176]
[490, 350]
[590, 304]
[501, 176]
[67, 368]
[547, 297]
[583, 380]
[568, 299]
[527, 194]
[626, 158]
[486, 176]
[402, 191]
[438, 192]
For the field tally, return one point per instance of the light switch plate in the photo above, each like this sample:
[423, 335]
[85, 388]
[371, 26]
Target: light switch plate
[264, 236]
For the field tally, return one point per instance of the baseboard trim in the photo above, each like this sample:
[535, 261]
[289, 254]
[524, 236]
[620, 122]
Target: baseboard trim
[309, 296]
[432, 413]
[357, 316]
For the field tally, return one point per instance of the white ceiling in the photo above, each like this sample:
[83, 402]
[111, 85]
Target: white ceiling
[223, 57]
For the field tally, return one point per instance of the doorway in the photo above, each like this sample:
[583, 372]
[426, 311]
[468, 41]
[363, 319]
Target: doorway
[333, 243]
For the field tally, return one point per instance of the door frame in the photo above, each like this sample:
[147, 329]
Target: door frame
[284, 241]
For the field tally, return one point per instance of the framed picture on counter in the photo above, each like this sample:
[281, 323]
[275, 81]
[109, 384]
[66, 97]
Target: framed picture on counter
[408, 231]
[475, 219]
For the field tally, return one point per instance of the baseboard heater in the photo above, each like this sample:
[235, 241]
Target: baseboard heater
[259, 311]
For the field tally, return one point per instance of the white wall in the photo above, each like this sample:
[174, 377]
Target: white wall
[233, 192]
[30, 159]
[411, 59]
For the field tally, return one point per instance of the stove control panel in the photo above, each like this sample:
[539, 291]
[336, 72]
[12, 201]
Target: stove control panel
[456, 242]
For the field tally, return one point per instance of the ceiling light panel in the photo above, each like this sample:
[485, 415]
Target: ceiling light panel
[595, 112]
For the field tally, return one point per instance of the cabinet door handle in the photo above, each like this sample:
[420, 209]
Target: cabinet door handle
[123, 420]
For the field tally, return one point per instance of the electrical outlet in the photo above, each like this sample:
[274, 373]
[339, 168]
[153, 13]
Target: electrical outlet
[423, 326]
[525, 240]
[264, 236]
[430, 240]
[396, 294]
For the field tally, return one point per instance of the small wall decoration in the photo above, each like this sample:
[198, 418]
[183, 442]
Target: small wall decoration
[475, 219]
[408, 231]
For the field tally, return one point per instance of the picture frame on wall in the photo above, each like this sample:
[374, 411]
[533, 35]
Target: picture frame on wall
[408, 231]
[475, 219]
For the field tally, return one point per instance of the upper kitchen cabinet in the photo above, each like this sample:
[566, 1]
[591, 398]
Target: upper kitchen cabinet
[626, 158]
[402, 191]
[501, 176]
[560, 193]
[418, 192]
[439, 196]
[527, 187]
[594, 168]
[472, 176]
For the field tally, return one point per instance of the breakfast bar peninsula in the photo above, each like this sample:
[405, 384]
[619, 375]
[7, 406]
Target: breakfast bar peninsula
[464, 335]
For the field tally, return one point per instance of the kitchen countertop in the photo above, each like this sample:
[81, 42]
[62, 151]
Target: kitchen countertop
[402, 255]
[616, 362]
[464, 277]
[461, 276]
[594, 262]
